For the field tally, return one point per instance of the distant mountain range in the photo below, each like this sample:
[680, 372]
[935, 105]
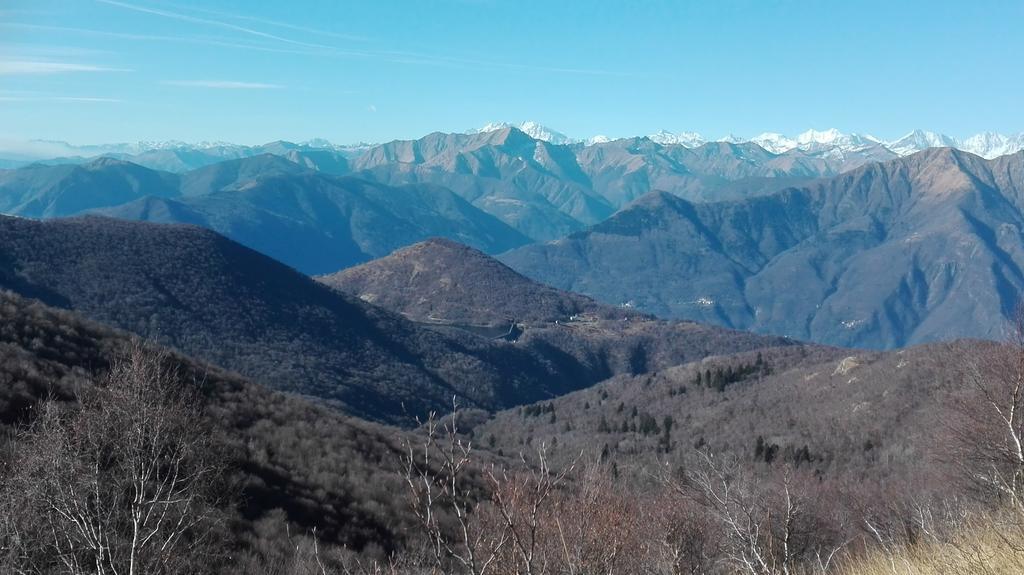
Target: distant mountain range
[177, 155]
[311, 220]
[174, 156]
[986, 144]
[922, 248]
[542, 190]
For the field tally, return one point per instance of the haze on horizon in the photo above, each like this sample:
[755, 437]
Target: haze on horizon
[128, 70]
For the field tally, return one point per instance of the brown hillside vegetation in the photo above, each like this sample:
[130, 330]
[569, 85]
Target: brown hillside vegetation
[446, 282]
[290, 462]
[864, 415]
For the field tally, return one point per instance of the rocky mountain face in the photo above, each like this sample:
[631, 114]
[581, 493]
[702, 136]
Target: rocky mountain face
[923, 248]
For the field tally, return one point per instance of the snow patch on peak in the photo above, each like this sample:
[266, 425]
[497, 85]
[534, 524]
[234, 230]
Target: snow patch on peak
[532, 129]
[989, 145]
[829, 136]
[919, 140]
[774, 142]
[685, 139]
[830, 141]
[732, 139]
[492, 127]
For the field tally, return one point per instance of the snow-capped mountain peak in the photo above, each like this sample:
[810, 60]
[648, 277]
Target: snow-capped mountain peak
[685, 139]
[492, 127]
[830, 143]
[532, 129]
[774, 142]
[988, 145]
[732, 139]
[539, 132]
[829, 136]
[816, 141]
[920, 140]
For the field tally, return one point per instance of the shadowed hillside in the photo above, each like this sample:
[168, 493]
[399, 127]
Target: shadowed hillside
[201, 293]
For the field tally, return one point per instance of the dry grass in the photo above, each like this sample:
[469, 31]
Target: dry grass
[987, 547]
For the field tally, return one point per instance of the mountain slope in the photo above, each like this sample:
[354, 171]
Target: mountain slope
[547, 191]
[503, 166]
[209, 297]
[232, 174]
[444, 281]
[917, 249]
[53, 191]
[308, 219]
[623, 170]
[319, 223]
[181, 158]
[875, 415]
[290, 460]
[446, 284]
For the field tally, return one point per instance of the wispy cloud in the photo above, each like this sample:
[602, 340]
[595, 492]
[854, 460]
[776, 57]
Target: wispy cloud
[151, 37]
[283, 44]
[223, 84]
[80, 99]
[42, 67]
[26, 51]
[209, 22]
[276, 23]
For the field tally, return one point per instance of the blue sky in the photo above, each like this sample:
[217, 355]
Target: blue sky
[247, 71]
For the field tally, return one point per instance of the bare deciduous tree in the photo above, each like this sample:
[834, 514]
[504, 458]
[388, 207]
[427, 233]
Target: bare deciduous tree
[436, 472]
[768, 525]
[122, 484]
[989, 434]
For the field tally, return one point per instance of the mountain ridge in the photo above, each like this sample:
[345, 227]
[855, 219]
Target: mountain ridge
[908, 251]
